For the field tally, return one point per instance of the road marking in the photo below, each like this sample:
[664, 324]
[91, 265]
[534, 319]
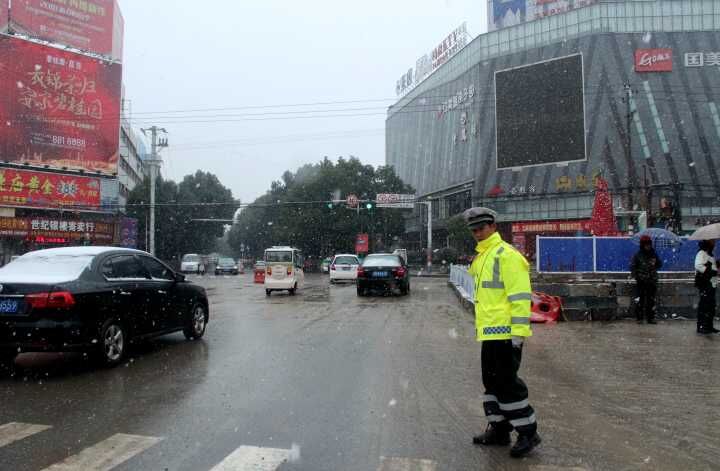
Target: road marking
[15, 431]
[107, 454]
[545, 467]
[253, 458]
[406, 464]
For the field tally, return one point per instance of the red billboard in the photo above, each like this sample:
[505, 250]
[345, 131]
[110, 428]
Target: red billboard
[362, 243]
[46, 190]
[653, 60]
[58, 108]
[89, 25]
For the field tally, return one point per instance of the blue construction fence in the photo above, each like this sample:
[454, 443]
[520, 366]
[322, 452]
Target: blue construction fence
[608, 254]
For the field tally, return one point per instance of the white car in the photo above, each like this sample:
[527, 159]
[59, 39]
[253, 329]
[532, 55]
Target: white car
[283, 270]
[344, 268]
[192, 263]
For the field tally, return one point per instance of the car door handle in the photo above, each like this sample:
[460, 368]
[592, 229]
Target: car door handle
[162, 291]
[126, 293]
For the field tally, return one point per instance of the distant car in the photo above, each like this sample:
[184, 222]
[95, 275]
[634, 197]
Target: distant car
[260, 265]
[325, 265]
[386, 272]
[192, 263]
[226, 265]
[95, 300]
[344, 267]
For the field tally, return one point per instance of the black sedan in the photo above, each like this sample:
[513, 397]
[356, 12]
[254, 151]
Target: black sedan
[226, 266]
[95, 300]
[385, 272]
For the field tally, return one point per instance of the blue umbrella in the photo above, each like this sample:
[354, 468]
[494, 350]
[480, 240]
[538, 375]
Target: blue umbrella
[657, 234]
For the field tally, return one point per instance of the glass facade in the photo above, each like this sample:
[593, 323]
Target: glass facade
[639, 16]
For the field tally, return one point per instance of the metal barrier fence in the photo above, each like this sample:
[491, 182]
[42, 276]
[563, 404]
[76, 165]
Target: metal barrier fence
[463, 281]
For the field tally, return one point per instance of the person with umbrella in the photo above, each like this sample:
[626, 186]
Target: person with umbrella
[644, 269]
[706, 281]
[706, 276]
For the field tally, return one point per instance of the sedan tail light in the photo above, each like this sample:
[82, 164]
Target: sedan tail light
[54, 300]
[360, 272]
[400, 271]
[289, 271]
[332, 267]
[269, 271]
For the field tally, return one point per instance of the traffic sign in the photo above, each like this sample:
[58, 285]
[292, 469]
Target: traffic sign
[352, 201]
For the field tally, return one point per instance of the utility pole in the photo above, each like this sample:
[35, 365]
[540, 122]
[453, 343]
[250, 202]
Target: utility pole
[428, 203]
[154, 163]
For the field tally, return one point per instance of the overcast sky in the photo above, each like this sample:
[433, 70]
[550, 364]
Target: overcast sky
[228, 57]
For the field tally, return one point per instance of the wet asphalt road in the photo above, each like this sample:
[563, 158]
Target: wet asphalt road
[336, 382]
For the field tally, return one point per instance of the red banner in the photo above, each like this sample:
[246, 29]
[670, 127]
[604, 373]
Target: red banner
[53, 230]
[551, 226]
[653, 60]
[89, 25]
[58, 108]
[362, 243]
[47, 190]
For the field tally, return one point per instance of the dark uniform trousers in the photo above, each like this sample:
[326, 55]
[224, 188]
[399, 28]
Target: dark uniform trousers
[647, 291]
[506, 395]
[706, 307]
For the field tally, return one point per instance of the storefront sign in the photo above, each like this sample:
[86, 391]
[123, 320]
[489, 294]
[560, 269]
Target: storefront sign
[653, 60]
[702, 59]
[58, 108]
[393, 200]
[582, 225]
[405, 82]
[450, 46]
[54, 228]
[466, 95]
[41, 189]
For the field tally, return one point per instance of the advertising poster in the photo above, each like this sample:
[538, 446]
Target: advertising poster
[653, 60]
[504, 13]
[47, 190]
[60, 108]
[89, 25]
[362, 243]
[128, 233]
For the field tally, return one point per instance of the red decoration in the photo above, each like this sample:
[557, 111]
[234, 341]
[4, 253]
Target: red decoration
[603, 217]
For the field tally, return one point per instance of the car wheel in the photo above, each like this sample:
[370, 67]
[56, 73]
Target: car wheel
[7, 360]
[198, 321]
[360, 292]
[114, 340]
[292, 290]
[332, 282]
[267, 292]
[405, 289]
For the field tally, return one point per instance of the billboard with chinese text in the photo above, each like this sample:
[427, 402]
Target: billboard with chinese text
[540, 113]
[90, 25]
[58, 230]
[504, 13]
[60, 108]
[47, 190]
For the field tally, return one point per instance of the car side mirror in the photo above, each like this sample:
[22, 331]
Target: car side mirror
[179, 277]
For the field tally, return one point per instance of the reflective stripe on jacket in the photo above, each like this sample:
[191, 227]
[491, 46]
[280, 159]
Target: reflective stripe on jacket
[502, 291]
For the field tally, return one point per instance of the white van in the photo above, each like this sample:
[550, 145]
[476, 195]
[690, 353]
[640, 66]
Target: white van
[283, 270]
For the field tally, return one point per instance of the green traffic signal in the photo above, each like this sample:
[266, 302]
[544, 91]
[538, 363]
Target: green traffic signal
[330, 206]
[369, 206]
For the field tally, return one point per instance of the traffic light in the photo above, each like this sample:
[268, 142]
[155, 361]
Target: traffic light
[329, 205]
[369, 205]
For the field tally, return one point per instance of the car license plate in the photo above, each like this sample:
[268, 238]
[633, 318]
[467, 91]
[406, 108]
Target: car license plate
[380, 274]
[8, 306]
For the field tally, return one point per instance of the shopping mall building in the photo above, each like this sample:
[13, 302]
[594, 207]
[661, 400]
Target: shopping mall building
[528, 117]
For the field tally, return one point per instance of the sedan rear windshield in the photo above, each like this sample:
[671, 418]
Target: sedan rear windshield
[346, 261]
[278, 257]
[191, 258]
[382, 261]
[45, 269]
[226, 262]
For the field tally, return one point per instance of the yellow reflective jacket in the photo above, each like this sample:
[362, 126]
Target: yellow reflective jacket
[502, 291]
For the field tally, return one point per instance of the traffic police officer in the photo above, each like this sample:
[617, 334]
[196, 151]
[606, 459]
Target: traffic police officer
[502, 320]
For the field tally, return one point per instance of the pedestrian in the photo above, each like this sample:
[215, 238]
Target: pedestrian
[502, 320]
[706, 281]
[644, 269]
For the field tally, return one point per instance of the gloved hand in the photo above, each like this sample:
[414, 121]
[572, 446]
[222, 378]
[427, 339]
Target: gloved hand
[517, 341]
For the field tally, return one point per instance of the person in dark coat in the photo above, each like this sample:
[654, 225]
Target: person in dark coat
[644, 269]
[706, 281]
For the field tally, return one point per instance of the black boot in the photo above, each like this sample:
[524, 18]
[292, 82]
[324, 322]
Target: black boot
[524, 445]
[494, 435]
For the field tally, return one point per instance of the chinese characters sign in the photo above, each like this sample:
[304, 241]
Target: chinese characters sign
[362, 243]
[90, 25]
[25, 188]
[56, 229]
[462, 96]
[702, 59]
[60, 109]
[582, 225]
[653, 60]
